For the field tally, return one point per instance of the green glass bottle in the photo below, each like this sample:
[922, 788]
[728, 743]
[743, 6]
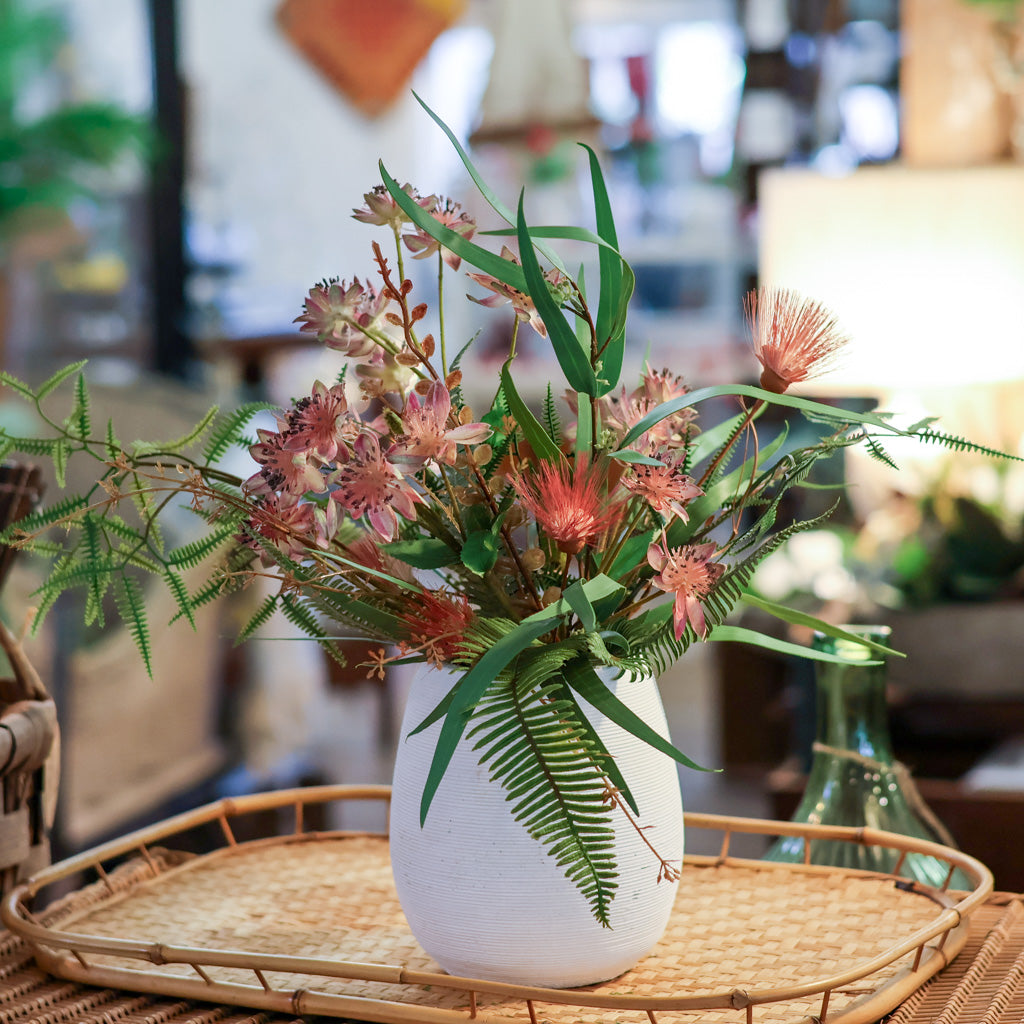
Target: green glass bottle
[854, 778]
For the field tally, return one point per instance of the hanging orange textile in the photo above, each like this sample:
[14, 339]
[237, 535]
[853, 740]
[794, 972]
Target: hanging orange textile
[368, 51]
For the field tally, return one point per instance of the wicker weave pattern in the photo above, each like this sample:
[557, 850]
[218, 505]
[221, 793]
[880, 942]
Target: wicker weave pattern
[735, 927]
[745, 938]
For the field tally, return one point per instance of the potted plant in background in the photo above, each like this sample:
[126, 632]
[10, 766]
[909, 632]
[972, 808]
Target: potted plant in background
[543, 561]
[46, 158]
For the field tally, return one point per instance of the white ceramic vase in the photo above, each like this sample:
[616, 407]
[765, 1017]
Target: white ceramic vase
[485, 899]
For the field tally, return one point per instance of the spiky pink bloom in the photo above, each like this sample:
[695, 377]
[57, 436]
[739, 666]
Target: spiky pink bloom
[320, 423]
[368, 485]
[366, 551]
[282, 469]
[688, 573]
[286, 522]
[381, 207]
[437, 622]
[341, 315]
[569, 503]
[795, 338]
[666, 487]
[525, 310]
[449, 215]
[427, 435]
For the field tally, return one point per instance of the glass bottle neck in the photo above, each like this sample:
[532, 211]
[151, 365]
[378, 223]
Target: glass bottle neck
[852, 711]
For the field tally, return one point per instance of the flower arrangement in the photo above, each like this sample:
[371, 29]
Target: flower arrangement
[526, 546]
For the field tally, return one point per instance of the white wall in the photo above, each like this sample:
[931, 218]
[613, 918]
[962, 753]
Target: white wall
[279, 157]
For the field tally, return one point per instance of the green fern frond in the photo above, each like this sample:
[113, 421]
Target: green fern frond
[961, 444]
[298, 613]
[178, 444]
[876, 451]
[131, 606]
[78, 423]
[228, 430]
[100, 581]
[537, 749]
[41, 447]
[66, 511]
[552, 424]
[188, 556]
[54, 382]
[176, 585]
[111, 441]
[259, 618]
[10, 381]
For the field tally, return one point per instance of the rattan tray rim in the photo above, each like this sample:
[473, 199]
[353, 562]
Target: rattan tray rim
[949, 924]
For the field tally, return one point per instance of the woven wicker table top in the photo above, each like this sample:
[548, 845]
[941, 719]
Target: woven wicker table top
[985, 983]
[308, 923]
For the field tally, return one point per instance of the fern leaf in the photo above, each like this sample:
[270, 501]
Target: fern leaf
[178, 444]
[65, 511]
[54, 382]
[259, 618]
[10, 381]
[879, 453]
[80, 418]
[228, 431]
[176, 585]
[961, 444]
[131, 606]
[113, 444]
[537, 748]
[552, 424]
[188, 556]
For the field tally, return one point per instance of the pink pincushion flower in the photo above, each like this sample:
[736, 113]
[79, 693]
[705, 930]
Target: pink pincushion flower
[343, 315]
[427, 435]
[368, 485]
[282, 469]
[381, 207]
[568, 502]
[449, 215]
[666, 488]
[794, 338]
[321, 423]
[437, 622]
[688, 573]
[523, 305]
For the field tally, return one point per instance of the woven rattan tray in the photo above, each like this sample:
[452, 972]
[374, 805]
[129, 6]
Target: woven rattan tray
[308, 923]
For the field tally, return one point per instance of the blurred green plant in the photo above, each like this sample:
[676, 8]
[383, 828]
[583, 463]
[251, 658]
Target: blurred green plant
[44, 157]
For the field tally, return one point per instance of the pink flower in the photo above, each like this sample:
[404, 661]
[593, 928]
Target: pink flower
[689, 574]
[282, 469]
[438, 622]
[427, 437]
[365, 550]
[666, 488]
[342, 315]
[368, 485]
[523, 305]
[450, 215]
[381, 207]
[568, 502]
[624, 412]
[320, 423]
[794, 338]
[286, 522]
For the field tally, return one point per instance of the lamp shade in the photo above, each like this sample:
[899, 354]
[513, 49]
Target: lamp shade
[923, 267]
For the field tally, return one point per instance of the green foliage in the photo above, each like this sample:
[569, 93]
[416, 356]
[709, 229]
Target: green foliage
[535, 745]
[42, 157]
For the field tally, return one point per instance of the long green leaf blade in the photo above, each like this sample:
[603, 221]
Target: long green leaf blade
[573, 360]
